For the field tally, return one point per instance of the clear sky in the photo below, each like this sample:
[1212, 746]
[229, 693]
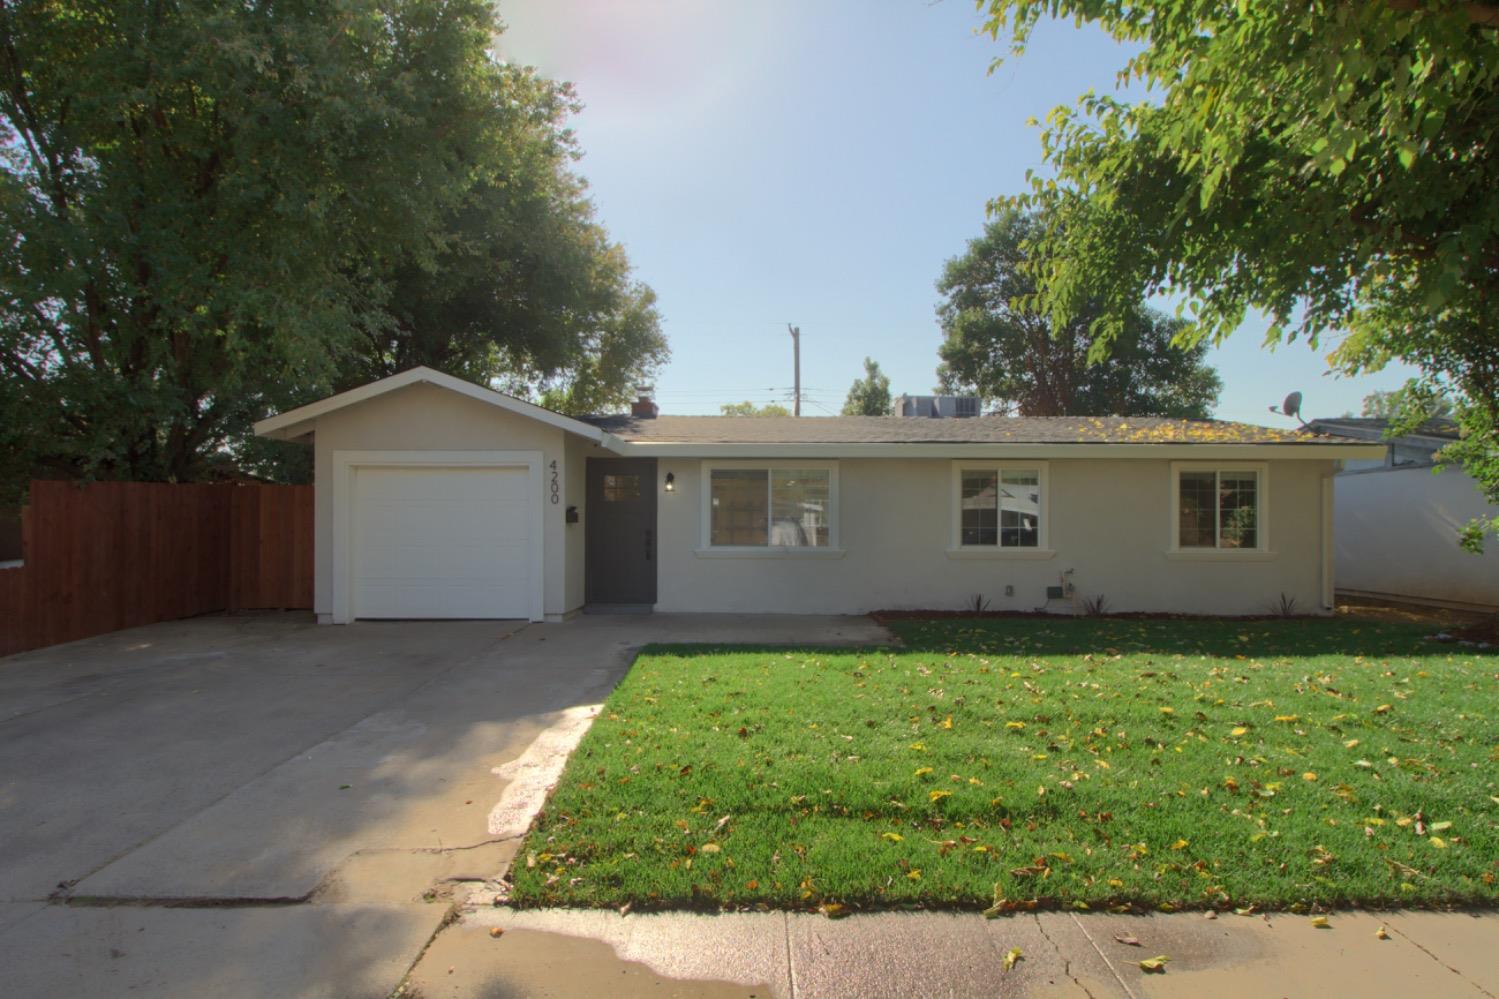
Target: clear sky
[816, 162]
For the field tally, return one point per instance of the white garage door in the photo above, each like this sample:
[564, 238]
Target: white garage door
[442, 543]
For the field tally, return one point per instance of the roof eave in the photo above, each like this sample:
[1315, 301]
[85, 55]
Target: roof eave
[301, 422]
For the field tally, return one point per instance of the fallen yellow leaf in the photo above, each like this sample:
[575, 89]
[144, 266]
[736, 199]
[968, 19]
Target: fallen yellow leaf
[1438, 842]
[1154, 965]
[1382, 933]
[914, 874]
[893, 837]
[1241, 730]
[1321, 923]
[1309, 775]
[1011, 956]
[939, 795]
[1180, 844]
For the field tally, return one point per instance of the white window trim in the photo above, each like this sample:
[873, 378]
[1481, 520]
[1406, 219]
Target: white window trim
[706, 548]
[956, 548]
[346, 463]
[1260, 553]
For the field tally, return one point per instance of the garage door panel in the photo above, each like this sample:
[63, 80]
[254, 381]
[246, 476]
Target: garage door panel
[443, 542]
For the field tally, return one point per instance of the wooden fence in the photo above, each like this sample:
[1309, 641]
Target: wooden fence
[112, 555]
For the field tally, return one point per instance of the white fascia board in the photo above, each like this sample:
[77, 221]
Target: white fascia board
[299, 422]
[1179, 452]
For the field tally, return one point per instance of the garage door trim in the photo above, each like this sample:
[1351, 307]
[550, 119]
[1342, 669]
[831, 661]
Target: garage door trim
[345, 463]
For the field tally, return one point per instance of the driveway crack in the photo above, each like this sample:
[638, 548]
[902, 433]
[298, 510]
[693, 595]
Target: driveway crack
[1419, 946]
[1066, 961]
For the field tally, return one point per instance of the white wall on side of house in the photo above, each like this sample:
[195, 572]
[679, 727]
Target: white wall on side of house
[1396, 536]
[1110, 523]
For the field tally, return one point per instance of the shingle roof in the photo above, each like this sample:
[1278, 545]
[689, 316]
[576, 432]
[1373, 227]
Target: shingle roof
[977, 430]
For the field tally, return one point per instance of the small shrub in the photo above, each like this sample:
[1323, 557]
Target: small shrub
[1284, 605]
[978, 603]
[1096, 605]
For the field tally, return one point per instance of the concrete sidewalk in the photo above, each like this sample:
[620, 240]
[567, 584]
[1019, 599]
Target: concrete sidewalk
[581, 953]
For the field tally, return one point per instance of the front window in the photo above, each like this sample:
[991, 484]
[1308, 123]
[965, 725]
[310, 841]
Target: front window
[1000, 507]
[1218, 508]
[765, 507]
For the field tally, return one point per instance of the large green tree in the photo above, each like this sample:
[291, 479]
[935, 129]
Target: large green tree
[1332, 165]
[526, 288]
[999, 345]
[216, 210]
[1396, 404]
[870, 395]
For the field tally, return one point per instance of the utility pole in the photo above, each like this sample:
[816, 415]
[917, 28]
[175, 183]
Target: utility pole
[796, 354]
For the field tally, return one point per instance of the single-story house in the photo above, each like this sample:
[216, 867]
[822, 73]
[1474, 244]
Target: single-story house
[1398, 516]
[438, 498]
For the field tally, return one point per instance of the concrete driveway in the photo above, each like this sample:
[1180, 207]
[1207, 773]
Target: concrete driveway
[261, 806]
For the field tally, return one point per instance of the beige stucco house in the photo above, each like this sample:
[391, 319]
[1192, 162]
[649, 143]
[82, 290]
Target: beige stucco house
[437, 498]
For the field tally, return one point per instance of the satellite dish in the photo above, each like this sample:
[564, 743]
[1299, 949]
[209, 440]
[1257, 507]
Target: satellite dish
[1290, 407]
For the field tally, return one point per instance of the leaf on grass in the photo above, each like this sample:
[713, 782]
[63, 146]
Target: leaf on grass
[709, 848]
[1241, 730]
[1154, 965]
[1127, 940]
[833, 910]
[1383, 709]
[1440, 826]
[1180, 844]
[1350, 744]
[1011, 956]
[914, 874]
[1168, 711]
[922, 771]
[1438, 842]
[947, 722]
[893, 837]
[939, 794]
[1287, 718]
[1309, 775]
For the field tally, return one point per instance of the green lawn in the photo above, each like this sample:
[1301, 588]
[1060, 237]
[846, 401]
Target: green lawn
[1093, 762]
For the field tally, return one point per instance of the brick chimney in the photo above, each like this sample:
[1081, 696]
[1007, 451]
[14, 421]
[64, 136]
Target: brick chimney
[644, 407]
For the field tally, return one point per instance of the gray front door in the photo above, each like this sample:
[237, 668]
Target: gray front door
[621, 531]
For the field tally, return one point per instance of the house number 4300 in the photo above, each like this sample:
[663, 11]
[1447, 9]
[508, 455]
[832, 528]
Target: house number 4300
[556, 487]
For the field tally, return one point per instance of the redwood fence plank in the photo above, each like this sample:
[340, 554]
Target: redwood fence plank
[111, 555]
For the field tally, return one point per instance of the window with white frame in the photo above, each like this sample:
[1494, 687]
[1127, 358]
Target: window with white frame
[1001, 506]
[1219, 508]
[764, 506]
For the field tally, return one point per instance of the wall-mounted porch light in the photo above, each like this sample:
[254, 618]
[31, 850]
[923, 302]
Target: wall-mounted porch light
[671, 482]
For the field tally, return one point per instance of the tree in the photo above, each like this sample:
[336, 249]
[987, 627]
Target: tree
[1334, 166]
[748, 408]
[1001, 348]
[527, 290]
[870, 395]
[1397, 404]
[215, 210]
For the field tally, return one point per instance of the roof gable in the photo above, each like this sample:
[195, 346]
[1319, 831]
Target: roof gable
[300, 421]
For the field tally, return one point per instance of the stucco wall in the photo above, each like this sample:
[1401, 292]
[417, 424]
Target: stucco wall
[423, 417]
[1396, 536]
[1109, 524]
